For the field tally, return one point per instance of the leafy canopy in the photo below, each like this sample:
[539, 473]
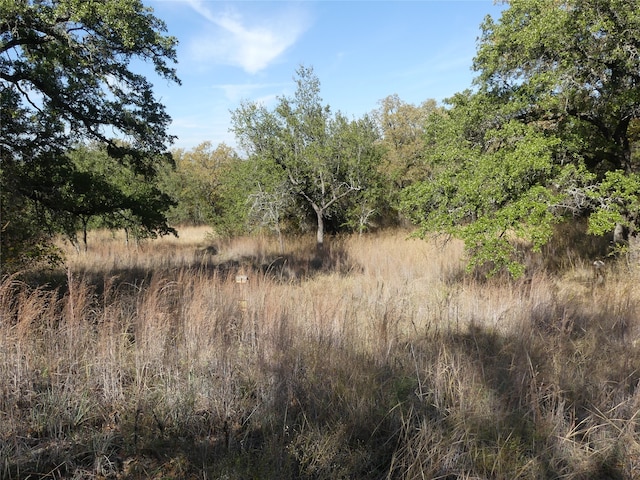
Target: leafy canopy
[486, 191]
[325, 158]
[197, 182]
[65, 80]
[548, 133]
[113, 195]
[66, 63]
[573, 64]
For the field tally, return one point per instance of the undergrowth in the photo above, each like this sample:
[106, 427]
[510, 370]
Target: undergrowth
[378, 358]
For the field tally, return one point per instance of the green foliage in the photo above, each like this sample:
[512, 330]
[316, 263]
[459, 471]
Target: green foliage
[197, 182]
[23, 241]
[112, 194]
[76, 54]
[324, 158]
[65, 80]
[270, 202]
[572, 66]
[237, 183]
[403, 128]
[487, 192]
[617, 201]
[549, 132]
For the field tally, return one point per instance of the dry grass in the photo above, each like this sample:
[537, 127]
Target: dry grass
[378, 359]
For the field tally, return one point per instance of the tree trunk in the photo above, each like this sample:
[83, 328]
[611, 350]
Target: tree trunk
[623, 146]
[320, 231]
[280, 239]
[620, 235]
[85, 222]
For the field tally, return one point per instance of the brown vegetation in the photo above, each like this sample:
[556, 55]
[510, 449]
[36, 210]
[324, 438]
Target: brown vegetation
[379, 360]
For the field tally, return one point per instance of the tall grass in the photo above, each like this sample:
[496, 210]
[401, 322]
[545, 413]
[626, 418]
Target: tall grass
[379, 358]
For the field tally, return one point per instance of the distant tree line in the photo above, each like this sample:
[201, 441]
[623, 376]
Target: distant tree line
[303, 167]
[548, 133]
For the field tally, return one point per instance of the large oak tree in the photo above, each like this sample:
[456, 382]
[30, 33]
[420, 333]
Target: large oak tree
[66, 79]
[574, 64]
[573, 68]
[548, 132]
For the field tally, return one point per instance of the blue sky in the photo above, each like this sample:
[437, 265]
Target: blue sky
[361, 51]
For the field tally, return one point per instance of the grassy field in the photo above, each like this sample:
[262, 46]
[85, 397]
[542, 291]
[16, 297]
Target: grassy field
[380, 359]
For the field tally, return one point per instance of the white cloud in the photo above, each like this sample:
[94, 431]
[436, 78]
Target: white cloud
[250, 44]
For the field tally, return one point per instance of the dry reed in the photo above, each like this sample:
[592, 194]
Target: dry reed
[379, 358]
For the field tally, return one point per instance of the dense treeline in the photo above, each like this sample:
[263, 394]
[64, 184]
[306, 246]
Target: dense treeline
[302, 167]
[548, 133]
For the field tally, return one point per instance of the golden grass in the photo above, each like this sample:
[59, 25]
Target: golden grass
[378, 358]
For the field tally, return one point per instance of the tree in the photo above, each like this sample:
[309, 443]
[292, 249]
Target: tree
[402, 127]
[403, 135]
[325, 158]
[573, 68]
[196, 183]
[65, 80]
[269, 207]
[113, 195]
[547, 135]
[488, 185]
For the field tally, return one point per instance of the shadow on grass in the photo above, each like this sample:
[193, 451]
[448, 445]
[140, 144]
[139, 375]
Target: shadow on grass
[312, 417]
[325, 412]
[541, 396]
[553, 398]
[284, 268]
